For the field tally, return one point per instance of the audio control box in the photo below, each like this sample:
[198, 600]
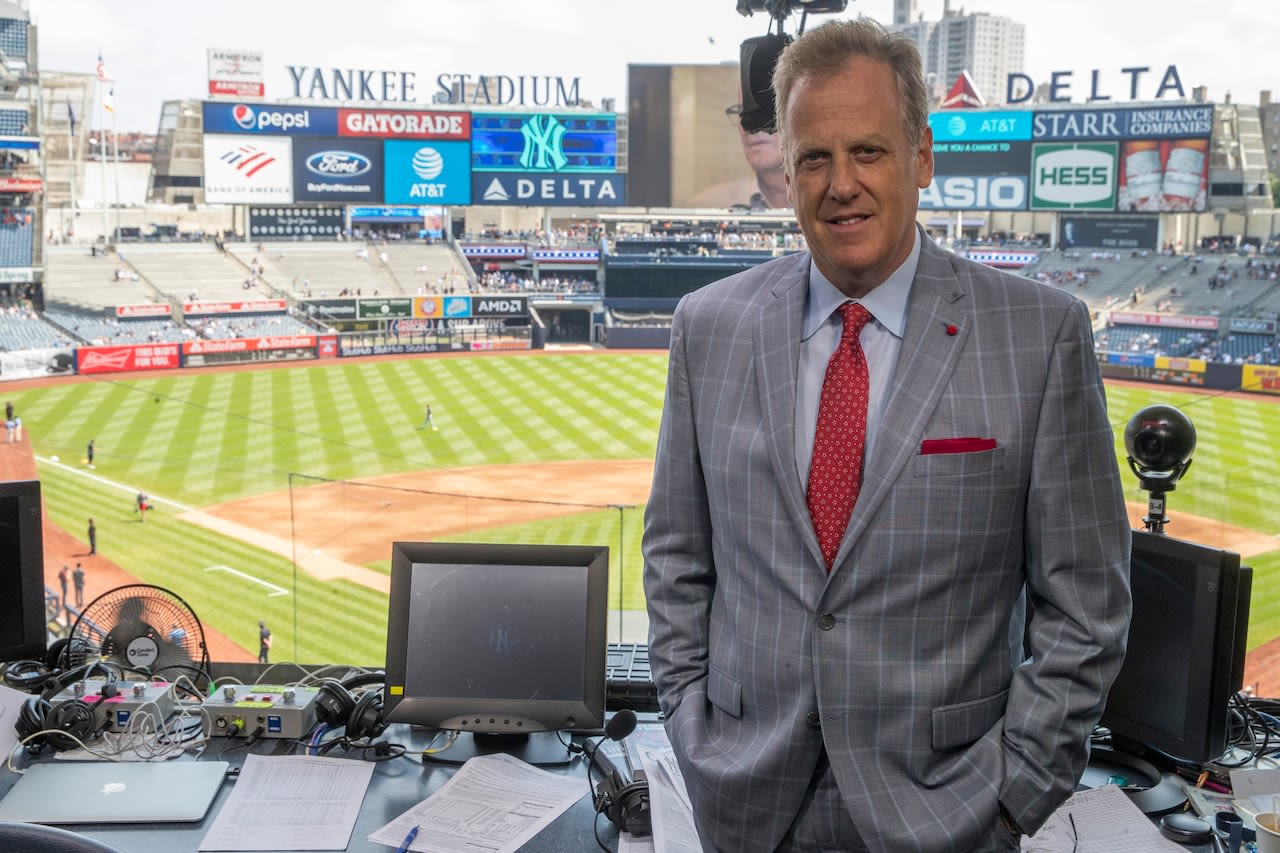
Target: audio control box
[270, 710]
[116, 703]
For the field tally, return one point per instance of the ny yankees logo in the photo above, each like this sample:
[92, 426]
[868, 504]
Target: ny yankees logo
[543, 141]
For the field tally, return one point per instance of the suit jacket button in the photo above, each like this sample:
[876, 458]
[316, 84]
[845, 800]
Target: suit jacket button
[826, 621]
[814, 719]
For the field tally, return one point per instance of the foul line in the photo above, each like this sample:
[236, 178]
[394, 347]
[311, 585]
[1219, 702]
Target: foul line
[279, 590]
[75, 469]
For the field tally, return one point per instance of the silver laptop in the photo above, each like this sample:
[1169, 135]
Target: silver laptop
[114, 792]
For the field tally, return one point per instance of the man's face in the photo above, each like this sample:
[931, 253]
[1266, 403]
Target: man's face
[853, 175]
[762, 150]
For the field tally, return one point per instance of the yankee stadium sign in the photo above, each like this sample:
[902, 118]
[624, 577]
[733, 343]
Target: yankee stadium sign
[356, 84]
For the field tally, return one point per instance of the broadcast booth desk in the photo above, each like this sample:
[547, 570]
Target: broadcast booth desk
[397, 785]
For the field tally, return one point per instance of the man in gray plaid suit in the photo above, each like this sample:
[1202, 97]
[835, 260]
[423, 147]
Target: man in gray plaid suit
[894, 697]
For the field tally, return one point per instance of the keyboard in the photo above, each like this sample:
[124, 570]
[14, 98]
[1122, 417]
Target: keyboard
[628, 681]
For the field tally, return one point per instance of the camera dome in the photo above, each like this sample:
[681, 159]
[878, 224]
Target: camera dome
[1159, 439]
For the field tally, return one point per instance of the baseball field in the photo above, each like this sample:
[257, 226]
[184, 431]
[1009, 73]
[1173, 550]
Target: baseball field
[277, 491]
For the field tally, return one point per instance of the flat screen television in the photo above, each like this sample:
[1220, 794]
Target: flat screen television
[22, 620]
[1185, 658]
[503, 643]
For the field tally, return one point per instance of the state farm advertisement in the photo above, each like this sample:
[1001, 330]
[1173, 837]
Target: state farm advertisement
[275, 342]
[120, 359]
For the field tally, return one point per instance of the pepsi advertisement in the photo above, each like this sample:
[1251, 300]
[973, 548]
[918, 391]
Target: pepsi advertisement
[339, 170]
[271, 119]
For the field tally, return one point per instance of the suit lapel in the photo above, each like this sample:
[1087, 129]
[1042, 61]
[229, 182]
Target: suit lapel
[925, 362]
[777, 361]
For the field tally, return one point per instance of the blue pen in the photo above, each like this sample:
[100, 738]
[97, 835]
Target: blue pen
[408, 839]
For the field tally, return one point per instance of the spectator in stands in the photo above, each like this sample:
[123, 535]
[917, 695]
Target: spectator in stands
[766, 188]
[806, 648]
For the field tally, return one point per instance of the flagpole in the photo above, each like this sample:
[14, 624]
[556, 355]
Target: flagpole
[115, 159]
[71, 167]
[102, 167]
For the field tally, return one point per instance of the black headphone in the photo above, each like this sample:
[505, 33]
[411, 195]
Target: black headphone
[336, 706]
[76, 717]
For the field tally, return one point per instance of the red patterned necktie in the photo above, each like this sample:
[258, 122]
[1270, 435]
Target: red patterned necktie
[835, 470]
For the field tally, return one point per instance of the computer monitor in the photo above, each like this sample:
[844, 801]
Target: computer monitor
[22, 620]
[504, 643]
[1185, 658]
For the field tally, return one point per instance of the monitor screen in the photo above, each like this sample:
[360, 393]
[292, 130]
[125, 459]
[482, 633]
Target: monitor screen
[1185, 657]
[498, 641]
[22, 619]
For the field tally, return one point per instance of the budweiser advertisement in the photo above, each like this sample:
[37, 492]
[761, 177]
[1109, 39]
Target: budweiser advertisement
[123, 358]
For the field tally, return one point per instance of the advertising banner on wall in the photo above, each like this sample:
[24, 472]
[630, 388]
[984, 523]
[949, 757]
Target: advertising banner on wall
[1260, 377]
[579, 189]
[427, 172]
[115, 359]
[980, 125]
[269, 119]
[1073, 176]
[405, 124]
[1164, 175]
[236, 73]
[242, 170]
[1173, 122]
[337, 170]
[978, 175]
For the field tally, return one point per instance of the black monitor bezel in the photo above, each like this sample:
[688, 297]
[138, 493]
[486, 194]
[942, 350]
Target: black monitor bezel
[586, 712]
[30, 641]
[1215, 665]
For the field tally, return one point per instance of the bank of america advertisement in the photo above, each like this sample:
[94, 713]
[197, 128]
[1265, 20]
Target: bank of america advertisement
[247, 169]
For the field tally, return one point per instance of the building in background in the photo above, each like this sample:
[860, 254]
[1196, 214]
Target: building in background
[988, 47]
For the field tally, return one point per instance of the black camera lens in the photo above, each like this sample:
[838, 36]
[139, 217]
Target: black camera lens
[1150, 445]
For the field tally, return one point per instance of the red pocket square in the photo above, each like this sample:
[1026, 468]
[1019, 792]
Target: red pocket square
[967, 444]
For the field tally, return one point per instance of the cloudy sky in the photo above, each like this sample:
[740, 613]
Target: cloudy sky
[157, 51]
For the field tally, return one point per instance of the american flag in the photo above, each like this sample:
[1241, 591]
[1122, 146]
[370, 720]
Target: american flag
[102, 67]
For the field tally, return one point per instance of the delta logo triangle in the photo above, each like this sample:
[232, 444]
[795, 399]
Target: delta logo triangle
[963, 95]
[495, 192]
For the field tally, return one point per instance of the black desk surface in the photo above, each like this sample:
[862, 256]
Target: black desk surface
[397, 785]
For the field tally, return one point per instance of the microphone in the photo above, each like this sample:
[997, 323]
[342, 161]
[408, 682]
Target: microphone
[622, 794]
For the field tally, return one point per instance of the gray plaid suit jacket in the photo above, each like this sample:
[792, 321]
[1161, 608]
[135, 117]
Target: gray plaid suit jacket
[902, 660]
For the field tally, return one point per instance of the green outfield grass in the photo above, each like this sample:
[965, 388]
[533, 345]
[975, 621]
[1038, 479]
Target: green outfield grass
[207, 437]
